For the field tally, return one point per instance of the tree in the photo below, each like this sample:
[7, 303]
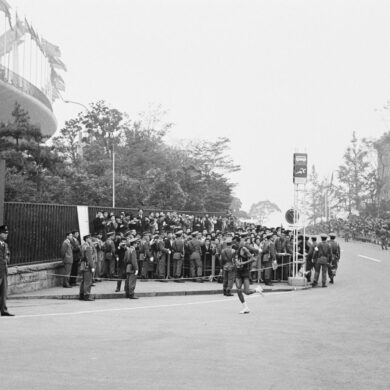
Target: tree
[30, 163]
[262, 210]
[355, 176]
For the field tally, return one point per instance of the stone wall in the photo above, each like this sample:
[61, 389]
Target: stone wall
[34, 277]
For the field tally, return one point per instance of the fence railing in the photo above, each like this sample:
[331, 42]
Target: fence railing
[38, 230]
[25, 86]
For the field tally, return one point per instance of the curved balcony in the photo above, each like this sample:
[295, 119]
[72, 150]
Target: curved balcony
[14, 88]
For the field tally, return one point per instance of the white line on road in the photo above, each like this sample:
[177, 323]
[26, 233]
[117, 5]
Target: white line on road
[137, 308]
[370, 258]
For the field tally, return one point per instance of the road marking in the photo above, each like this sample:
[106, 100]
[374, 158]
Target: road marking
[140, 307]
[370, 258]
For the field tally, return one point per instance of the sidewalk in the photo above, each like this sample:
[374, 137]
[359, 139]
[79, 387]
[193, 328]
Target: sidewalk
[149, 288]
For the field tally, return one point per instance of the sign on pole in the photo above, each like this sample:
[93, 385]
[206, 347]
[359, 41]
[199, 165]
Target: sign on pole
[300, 168]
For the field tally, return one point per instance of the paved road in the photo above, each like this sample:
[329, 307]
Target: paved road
[333, 338]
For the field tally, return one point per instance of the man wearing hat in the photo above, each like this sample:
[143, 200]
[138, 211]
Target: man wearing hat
[267, 256]
[144, 251]
[195, 249]
[335, 248]
[76, 248]
[122, 248]
[229, 271]
[109, 256]
[178, 255]
[311, 258]
[67, 259]
[131, 268]
[324, 257]
[86, 269]
[4, 259]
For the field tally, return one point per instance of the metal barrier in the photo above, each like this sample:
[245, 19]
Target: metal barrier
[37, 230]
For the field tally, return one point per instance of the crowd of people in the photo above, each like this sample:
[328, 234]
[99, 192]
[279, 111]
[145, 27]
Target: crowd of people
[362, 228]
[187, 248]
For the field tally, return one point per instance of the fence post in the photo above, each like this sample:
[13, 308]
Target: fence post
[2, 190]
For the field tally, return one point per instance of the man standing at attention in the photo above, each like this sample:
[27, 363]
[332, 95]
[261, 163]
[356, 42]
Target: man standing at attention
[86, 269]
[4, 259]
[67, 258]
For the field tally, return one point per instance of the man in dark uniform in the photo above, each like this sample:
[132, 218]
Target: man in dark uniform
[228, 267]
[267, 257]
[86, 269]
[195, 247]
[121, 263]
[143, 256]
[4, 260]
[311, 258]
[76, 248]
[67, 259]
[131, 268]
[109, 256]
[178, 255]
[324, 257]
[335, 247]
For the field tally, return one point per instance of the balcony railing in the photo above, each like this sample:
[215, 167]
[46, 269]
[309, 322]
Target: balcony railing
[25, 86]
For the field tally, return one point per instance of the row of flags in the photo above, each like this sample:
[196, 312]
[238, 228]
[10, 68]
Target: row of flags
[50, 51]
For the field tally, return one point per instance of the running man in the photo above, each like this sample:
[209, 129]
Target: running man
[243, 266]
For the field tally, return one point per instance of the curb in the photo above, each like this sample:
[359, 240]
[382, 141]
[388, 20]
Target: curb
[148, 294]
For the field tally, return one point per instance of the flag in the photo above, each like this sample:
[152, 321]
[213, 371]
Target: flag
[55, 94]
[57, 63]
[20, 28]
[57, 81]
[5, 7]
[50, 49]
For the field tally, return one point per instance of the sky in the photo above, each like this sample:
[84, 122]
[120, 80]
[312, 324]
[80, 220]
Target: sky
[276, 77]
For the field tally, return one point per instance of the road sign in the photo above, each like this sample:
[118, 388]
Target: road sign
[292, 216]
[300, 168]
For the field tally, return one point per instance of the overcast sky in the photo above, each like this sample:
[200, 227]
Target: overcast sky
[273, 76]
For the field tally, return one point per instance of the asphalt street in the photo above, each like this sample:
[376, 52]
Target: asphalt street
[323, 338]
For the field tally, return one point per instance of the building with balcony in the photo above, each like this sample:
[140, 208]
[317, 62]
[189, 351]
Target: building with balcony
[28, 72]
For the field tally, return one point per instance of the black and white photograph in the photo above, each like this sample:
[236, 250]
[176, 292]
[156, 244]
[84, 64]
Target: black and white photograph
[194, 194]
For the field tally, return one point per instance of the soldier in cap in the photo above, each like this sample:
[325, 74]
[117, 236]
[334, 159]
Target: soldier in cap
[335, 247]
[228, 267]
[86, 269]
[311, 258]
[122, 248]
[76, 248]
[131, 268]
[4, 260]
[67, 258]
[109, 256]
[144, 253]
[195, 248]
[178, 255]
[324, 257]
[268, 255]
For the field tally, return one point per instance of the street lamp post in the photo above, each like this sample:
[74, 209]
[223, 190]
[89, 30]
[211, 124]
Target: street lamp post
[80, 135]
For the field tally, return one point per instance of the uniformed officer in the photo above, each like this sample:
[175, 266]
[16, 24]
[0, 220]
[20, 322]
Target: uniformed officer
[195, 248]
[178, 255]
[4, 260]
[324, 257]
[229, 271]
[335, 247]
[268, 256]
[86, 269]
[311, 258]
[122, 248]
[67, 259]
[131, 268]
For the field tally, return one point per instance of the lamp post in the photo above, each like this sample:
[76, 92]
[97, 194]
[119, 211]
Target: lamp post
[80, 135]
